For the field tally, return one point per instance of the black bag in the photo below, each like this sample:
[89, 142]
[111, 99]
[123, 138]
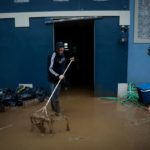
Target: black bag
[25, 93]
[40, 94]
[8, 97]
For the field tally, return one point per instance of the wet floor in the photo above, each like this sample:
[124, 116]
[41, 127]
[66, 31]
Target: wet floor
[96, 124]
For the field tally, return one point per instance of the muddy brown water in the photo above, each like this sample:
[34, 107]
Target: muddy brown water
[96, 124]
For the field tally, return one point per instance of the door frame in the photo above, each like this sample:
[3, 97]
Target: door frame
[22, 19]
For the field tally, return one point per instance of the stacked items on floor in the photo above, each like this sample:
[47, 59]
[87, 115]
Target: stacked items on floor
[138, 95]
[9, 97]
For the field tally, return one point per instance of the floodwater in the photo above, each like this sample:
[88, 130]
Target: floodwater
[95, 124]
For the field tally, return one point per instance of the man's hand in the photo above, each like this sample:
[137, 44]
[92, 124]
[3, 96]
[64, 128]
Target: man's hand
[61, 77]
[72, 59]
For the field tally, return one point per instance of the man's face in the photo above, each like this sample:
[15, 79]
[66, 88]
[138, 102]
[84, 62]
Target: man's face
[60, 50]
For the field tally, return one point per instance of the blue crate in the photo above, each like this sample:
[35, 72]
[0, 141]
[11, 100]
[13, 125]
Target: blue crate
[144, 86]
[144, 93]
[145, 96]
[140, 96]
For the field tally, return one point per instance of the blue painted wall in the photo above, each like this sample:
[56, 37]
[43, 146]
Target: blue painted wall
[110, 57]
[23, 53]
[48, 5]
[138, 60]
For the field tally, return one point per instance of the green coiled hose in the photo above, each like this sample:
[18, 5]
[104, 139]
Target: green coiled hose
[132, 96]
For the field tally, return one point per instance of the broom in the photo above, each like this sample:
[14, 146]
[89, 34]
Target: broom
[40, 116]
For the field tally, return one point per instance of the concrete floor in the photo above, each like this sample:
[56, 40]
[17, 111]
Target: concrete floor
[95, 125]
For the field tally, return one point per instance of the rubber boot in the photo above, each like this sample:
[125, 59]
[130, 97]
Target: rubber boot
[2, 107]
[53, 106]
[57, 107]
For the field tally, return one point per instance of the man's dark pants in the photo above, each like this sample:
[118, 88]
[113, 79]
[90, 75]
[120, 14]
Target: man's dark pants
[55, 98]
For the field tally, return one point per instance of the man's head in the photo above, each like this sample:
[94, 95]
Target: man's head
[60, 48]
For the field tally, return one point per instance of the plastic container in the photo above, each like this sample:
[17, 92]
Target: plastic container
[144, 86]
[146, 96]
[144, 93]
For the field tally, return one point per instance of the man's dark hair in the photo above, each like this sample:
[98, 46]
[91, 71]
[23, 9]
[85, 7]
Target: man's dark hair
[59, 45]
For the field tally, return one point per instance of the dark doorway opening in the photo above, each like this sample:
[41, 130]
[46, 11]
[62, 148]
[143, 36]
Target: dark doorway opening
[79, 39]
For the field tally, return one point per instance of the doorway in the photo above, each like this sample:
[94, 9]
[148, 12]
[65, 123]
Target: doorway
[78, 37]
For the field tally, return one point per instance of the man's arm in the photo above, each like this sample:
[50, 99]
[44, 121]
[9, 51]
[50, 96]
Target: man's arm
[52, 64]
[51, 67]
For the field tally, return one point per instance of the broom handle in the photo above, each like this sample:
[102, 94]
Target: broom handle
[58, 83]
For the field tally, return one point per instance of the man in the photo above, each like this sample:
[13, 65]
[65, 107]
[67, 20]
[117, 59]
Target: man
[56, 67]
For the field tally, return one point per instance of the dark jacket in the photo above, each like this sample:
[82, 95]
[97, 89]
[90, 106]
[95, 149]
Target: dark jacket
[56, 66]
